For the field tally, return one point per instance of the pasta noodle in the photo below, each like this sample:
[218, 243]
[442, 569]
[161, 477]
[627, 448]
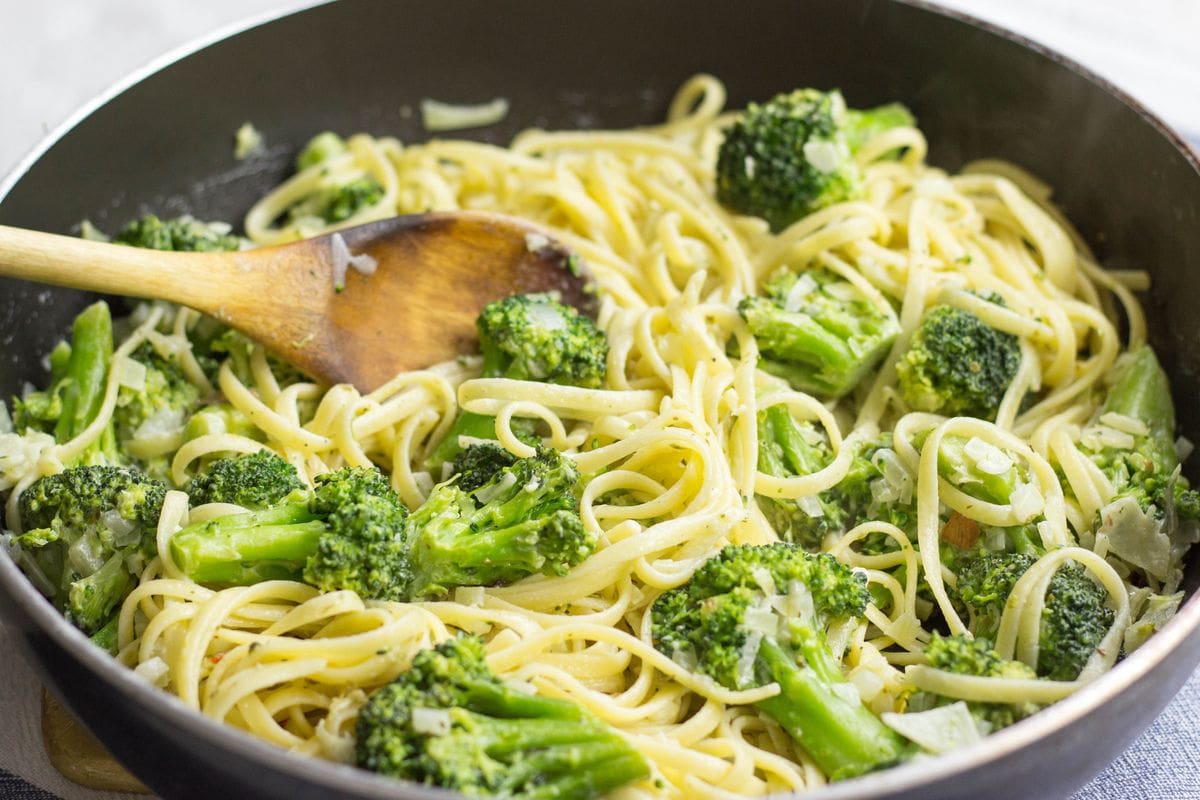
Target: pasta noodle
[673, 430]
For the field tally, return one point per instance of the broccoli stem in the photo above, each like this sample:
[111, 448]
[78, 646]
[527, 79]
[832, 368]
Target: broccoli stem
[1143, 392]
[86, 371]
[569, 754]
[955, 466]
[844, 738]
[243, 549]
[474, 426]
[106, 637]
[801, 350]
[585, 769]
[791, 454]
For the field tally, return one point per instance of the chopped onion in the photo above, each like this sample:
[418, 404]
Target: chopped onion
[895, 473]
[746, 658]
[938, 729]
[810, 505]
[536, 241]
[85, 555]
[822, 155]
[802, 288]
[987, 457]
[765, 581]
[430, 721]
[762, 621]
[469, 595]
[19, 456]
[1098, 437]
[1026, 500]
[868, 684]
[1183, 447]
[153, 671]
[424, 481]
[487, 493]
[124, 532]
[437, 116]
[545, 317]
[343, 259]
[799, 603]
[842, 290]
[131, 373]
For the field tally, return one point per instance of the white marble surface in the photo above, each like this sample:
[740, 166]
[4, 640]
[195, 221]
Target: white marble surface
[57, 54]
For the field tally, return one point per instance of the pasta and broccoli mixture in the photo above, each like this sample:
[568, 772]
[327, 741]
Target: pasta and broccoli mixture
[859, 460]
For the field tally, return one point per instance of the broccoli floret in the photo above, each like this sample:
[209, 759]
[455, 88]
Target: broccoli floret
[79, 374]
[533, 337]
[347, 534]
[756, 615]
[221, 418]
[355, 534]
[1146, 470]
[259, 480]
[876, 486]
[792, 155]
[479, 463]
[338, 203]
[182, 233]
[450, 722]
[86, 530]
[817, 331]
[321, 147]
[1076, 617]
[522, 521]
[965, 656]
[957, 365]
[213, 343]
[529, 337]
[159, 405]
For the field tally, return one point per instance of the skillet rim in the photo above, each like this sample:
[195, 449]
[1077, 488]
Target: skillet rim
[908, 776]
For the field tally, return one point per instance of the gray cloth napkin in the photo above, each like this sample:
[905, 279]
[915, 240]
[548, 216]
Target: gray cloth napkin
[1163, 764]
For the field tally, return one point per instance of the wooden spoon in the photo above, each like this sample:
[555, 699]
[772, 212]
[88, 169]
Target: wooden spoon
[434, 273]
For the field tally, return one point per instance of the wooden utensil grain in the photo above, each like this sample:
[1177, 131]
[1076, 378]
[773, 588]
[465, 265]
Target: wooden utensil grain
[434, 273]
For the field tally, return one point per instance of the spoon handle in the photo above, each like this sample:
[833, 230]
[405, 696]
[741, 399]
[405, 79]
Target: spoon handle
[195, 279]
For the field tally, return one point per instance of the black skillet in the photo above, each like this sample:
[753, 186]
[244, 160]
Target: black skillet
[163, 144]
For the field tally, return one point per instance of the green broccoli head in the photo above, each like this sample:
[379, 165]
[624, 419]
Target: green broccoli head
[966, 656]
[479, 463]
[363, 550]
[78, 378]
[258, 480]
[363, 547]
[871, 489]
[1145, 468]
[159, 405]
[1076, 617]
[753, 615]
[85, 528]
[818, 331]
[534, 337]
[320, 148]
[338, 203]
[450, 722]
[523, 520]
[957, 365]
[792, 155]
[182, 233]
[344, 486]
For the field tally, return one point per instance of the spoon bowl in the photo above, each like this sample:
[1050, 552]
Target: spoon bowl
[356, 306]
